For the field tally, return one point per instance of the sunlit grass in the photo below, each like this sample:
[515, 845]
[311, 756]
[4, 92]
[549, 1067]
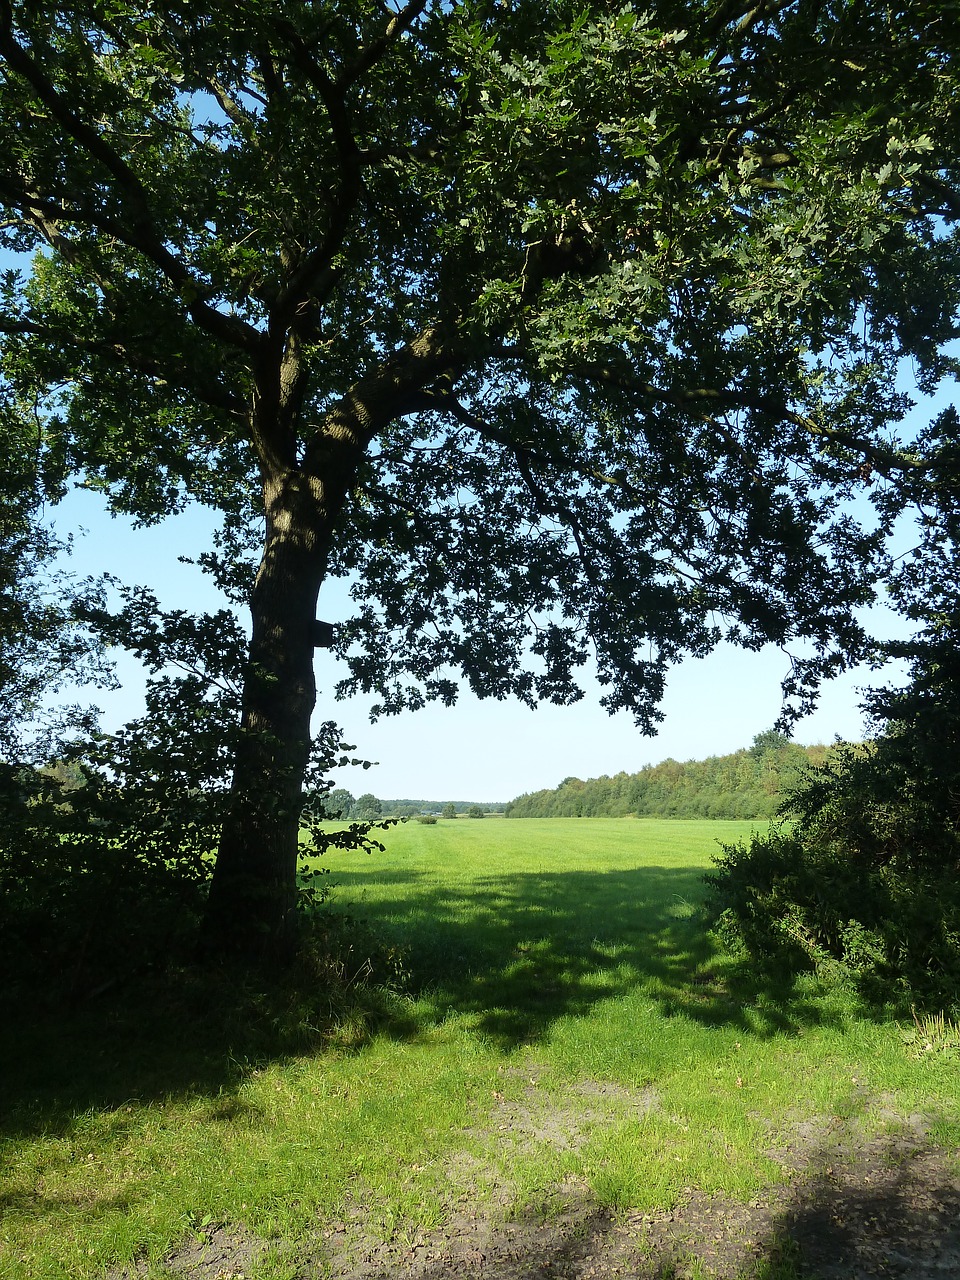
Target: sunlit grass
[543, 958]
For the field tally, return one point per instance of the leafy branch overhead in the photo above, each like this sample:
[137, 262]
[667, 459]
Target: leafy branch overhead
[637, 247]
[565, 330]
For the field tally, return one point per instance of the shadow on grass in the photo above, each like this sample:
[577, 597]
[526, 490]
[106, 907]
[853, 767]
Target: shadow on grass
[188, 1033]
[519, 951]
[890, 1211]
[515, 952]
[857, 1206]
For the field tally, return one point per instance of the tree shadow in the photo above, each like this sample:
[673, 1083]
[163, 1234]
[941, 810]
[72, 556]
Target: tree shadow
[519, 951]
[514, 952]
[189, 1032]
[872, 1206]
[860, 1208]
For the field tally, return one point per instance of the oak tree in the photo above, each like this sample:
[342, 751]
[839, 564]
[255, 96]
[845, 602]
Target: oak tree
[565, 329]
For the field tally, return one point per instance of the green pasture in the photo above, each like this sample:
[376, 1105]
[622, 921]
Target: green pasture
[547, 1010]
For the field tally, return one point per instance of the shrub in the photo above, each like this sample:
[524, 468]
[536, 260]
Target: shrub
[98, 880]
[861, 876]
[790, 902]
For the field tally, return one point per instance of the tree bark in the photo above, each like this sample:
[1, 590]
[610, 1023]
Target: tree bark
[251, 909]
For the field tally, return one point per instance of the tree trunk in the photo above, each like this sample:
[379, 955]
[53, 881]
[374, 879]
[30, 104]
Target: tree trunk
[251, 909]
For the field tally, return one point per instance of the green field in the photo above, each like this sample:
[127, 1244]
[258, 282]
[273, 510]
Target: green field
[512, 925]
[536, 962]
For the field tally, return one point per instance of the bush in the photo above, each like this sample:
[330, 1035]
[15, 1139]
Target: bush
[98, 880]
[861, 876]
[790, 902]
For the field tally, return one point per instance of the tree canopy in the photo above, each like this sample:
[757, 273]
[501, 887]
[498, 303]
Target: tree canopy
[568, 330]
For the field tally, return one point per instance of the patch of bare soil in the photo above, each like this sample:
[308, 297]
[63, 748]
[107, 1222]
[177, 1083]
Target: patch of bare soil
[853, 1206]
[212, 1253]
[564, 1120]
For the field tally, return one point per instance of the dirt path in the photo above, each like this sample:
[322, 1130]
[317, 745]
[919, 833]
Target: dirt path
[851, 1207]
[883, 1207]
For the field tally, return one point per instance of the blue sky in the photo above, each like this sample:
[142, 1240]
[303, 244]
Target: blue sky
[477, 750]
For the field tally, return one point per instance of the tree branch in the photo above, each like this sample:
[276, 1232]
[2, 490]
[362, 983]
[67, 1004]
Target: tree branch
[949, 196]
[89, 139]
[448, 403]
[128, 357]
[141, 233]
[46, 215]
[230, 107]
[397, 388]
[315, 273]
[373, 52]
[880, 459]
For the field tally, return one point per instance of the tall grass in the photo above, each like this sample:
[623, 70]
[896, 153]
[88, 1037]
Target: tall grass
[556, 1010]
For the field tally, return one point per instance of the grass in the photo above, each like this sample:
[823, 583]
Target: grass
[539, 958]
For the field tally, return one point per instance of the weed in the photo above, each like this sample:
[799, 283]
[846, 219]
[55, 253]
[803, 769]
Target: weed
[931, 1034]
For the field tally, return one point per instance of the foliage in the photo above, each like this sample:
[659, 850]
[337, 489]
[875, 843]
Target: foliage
[746, 784]
[792, 904]
[43, 644]
[444, 808]
[565, 332]
[106, 878]
[104, 861]
[106, 857]
[475, 811]
[862, 874]
[367, 806]
[933, 1034]
[338, 803]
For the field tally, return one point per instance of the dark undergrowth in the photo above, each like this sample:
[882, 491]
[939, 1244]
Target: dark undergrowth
[186, 1029]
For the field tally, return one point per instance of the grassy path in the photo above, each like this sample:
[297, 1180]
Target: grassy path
[564, 1022]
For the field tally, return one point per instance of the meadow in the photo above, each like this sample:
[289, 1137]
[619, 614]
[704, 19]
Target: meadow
[543, 1009]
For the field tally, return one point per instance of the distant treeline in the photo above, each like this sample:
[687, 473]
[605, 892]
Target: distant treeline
[748, 784]
[339, 803]
[411, 808]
